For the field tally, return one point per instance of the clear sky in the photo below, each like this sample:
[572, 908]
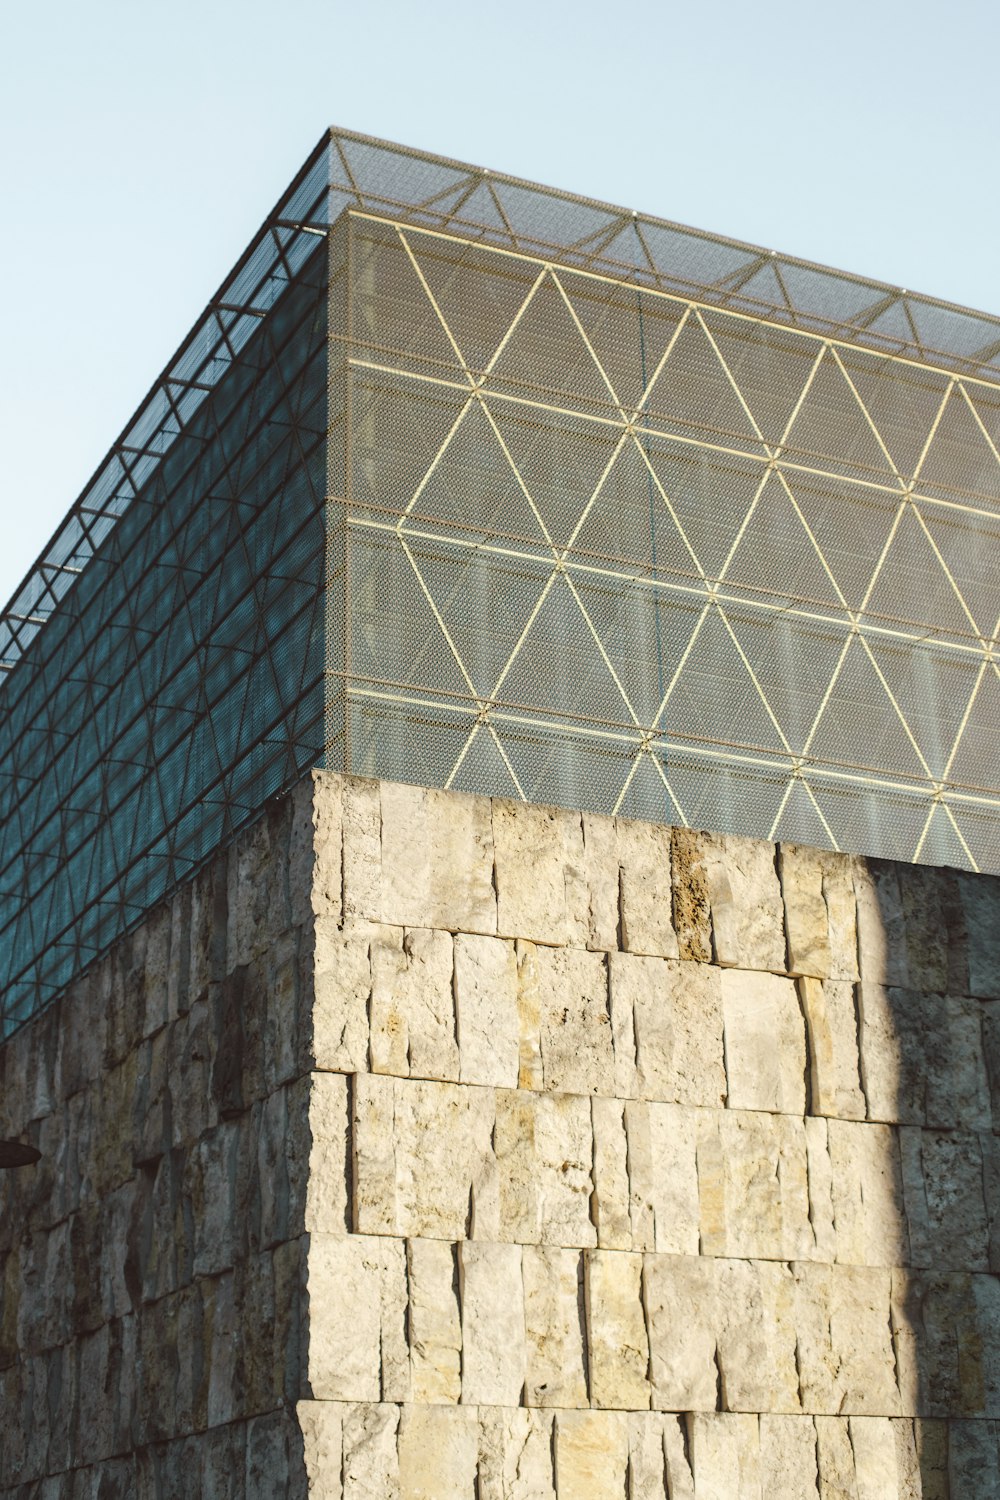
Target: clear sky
[143, 144]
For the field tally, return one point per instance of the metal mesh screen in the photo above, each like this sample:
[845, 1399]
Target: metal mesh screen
[616, 548]
[466, 482]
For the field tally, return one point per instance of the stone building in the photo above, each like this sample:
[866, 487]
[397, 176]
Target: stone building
[426, 1108]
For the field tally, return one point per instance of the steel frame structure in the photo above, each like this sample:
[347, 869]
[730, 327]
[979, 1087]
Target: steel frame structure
[598, 510]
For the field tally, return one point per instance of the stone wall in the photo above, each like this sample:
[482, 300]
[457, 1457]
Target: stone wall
[428, 1147]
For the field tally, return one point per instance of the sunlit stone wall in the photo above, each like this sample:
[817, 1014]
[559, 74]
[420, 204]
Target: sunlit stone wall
[433, 1147]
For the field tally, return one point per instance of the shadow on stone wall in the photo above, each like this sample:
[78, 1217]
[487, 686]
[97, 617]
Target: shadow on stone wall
[928, 1009]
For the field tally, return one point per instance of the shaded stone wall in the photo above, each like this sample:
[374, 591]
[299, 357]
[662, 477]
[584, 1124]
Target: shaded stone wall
[432, 1147]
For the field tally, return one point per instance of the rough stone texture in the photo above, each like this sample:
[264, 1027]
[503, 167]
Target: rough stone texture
[424, 1146]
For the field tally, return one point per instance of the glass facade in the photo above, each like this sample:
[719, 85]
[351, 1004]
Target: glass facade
[470, 483]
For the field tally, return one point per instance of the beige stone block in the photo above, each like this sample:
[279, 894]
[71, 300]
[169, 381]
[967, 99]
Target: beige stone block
[327, 1209]
[564, 1170]
[725, 1453]
[861, 1342]
[361, 833]
[541, 883]
[342, 987]
[437, 860]
[835, 1459]
[316, 848]
[577, 1048]
[682, 1318]
[493, 1340]
[514, 1148]
[616, 1330]
[600, 862]
[760, 1164]
[882, 955]
[486, 1011]
[529, 1018]
[426, 984]
[692, 902]
[423, 1159]
[645, 889]
[747, 910]
[820, 1168]
[610, 1208]
[675, 1010]
[515, 1455]
[389, 1010]
[820, 912]
[765, 1042]
[834, 1062]
[873, 1442]
[663, 1173]
[322, 1426]
[434, 1322]
[357, 1306]
[553, 1317]
[591, 1454]
[757, 1336]
[658, 1466]
[788, 1469]
[370, 1465]
[867, 1194]
[438, 1452]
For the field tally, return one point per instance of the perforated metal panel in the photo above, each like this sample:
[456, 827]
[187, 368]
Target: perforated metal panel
[466, 482]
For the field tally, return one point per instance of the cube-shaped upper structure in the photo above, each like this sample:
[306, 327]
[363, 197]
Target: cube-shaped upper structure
[471, 483]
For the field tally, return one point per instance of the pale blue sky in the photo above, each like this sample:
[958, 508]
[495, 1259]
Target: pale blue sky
[144, 143]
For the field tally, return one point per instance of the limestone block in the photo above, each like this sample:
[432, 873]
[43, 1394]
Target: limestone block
[268, 1467]
[725, 1454]
[553, 1299]
[357, 1306]
[692, 903]
[486, 1011]
[835, 1458]
[600, 863]
[873, 1443]
[157, 1349]
[674, 1011]
[663, 1176]
[657, 1465]
[438, 1453]
[820, 1190]
[645, 889]
[577, 1049]
[591, 1454]
[616, 1330]
[682, 1317]
[754, 1186]
[834, 1061]
[529, 1017]
[788, 1464]
[437, 860]
[327, 1208]
[374, 1146]
[610, 1207]
[316, 850]
[867, 1194]
[922, 1058]
[924, 899]
[757, 1336]
[287, 1009]
[361, 853]
[433, 1322]
[765, 1042]
[412, 1011]
[544, 1163]
[212, 1184]
[951, 1209]
[843, 1350]
[342, 985]
[370, 1465]
[820, 912]
[882, 955]
[493, 1340]
[980, 901]
[861, 1341]
[515, 1455]
[540, 874]
[748, 928]
[973, 1460]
